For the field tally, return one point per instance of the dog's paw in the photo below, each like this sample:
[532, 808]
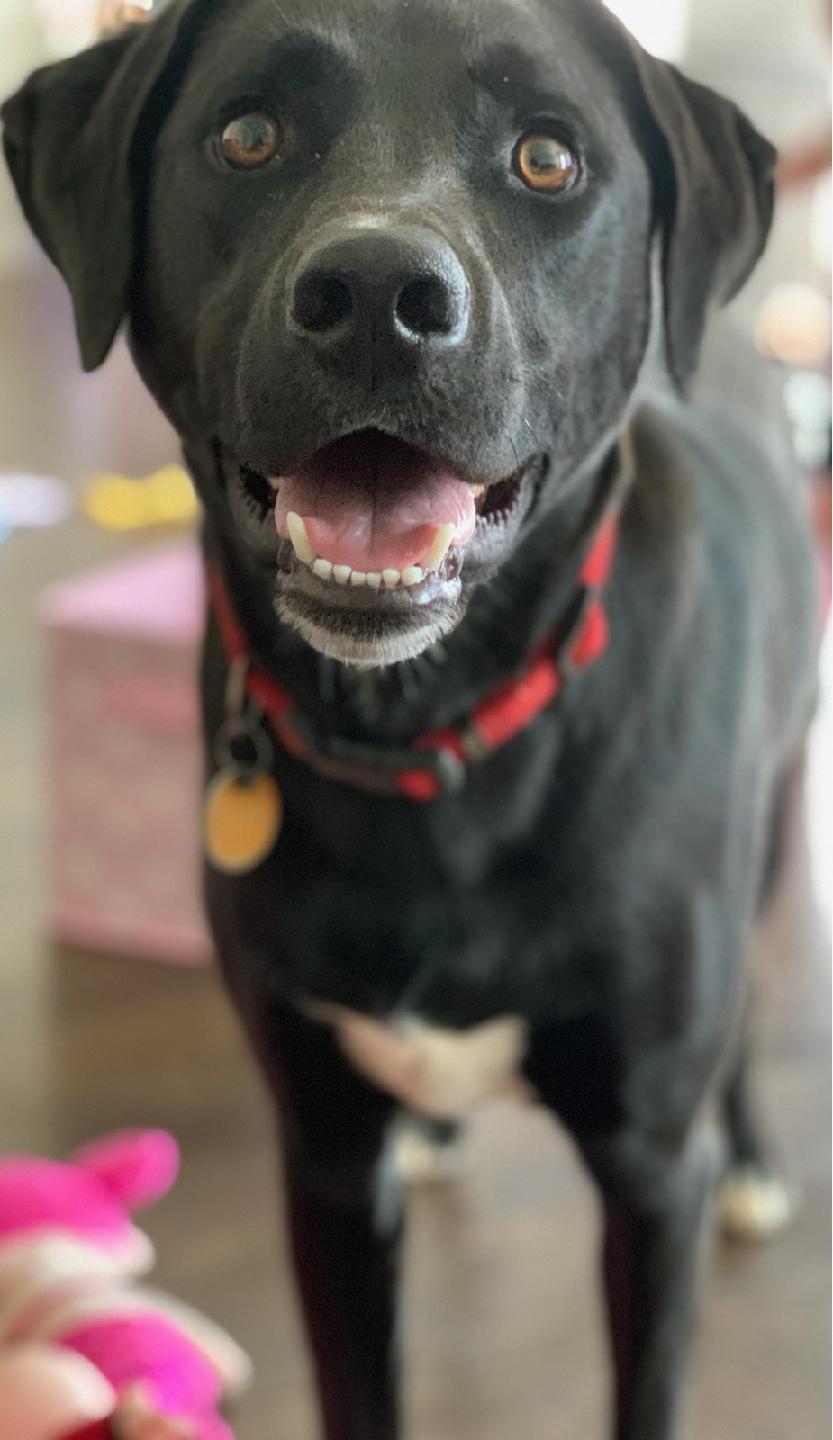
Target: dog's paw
[753, 1206]
[423, 1160]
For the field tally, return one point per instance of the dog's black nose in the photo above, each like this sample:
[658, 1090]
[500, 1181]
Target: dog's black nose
[381, 291]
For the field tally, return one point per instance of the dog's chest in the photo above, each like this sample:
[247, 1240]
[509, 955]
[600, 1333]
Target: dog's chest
[437, 1072]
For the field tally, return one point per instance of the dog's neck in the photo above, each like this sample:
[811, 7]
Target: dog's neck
[506, 621]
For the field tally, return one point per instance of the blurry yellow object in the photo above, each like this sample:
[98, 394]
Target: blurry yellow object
[166, 498]
[242, 822]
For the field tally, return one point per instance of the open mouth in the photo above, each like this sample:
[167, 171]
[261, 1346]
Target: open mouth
[370, 511]
[372, 529]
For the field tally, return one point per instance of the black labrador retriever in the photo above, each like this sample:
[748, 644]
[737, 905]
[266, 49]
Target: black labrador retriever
[512, 644]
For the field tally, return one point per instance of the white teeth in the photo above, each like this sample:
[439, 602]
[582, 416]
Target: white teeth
[440, 547]
[344, 575]
[275, 482]
[300, 539]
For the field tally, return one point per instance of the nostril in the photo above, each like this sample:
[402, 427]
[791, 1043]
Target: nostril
[322, 302]
[428, 307]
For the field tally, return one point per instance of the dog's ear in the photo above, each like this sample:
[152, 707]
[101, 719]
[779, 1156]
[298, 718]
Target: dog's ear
[714, 191]
[713, 184]
[77, 138]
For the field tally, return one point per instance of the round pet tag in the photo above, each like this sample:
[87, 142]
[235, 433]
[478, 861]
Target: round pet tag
[242, 821]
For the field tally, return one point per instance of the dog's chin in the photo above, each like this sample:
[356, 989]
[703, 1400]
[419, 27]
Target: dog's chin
[365, 642]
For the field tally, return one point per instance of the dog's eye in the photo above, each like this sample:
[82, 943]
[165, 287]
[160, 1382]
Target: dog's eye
[546, 163]
[251, 141]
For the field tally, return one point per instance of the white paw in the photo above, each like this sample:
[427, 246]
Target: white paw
[423, 1162]
[753, 1206]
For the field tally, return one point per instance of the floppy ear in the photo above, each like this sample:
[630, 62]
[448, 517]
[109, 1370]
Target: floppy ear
[713, 181]
[715, 196]
[77, 139]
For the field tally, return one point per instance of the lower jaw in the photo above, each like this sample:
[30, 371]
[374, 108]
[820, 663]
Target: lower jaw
[368, 640]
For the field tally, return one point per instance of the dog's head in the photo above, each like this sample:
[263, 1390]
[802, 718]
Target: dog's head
[392, 257]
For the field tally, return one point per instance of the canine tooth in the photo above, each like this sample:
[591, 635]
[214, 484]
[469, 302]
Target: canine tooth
[440, 546]
[374, 580]
[300, 539]
[391, 578]
[274, 481]
[358, 578]
[323, 569]
[341, 574]
[412, 576]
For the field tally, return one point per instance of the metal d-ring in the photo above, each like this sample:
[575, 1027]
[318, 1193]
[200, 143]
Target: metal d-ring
[243, 725]
[247, 730]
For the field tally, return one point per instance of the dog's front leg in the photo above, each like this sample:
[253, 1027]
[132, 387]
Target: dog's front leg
[655, 1212]
[345, 1221]
[345, 1230]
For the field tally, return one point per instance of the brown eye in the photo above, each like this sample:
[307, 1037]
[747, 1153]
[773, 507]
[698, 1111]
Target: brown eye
[252, 141]
[546, 163]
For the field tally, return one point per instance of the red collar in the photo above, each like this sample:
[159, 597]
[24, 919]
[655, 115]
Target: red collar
[435, 764]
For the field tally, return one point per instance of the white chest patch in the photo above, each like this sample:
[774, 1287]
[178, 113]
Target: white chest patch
[440, 1073]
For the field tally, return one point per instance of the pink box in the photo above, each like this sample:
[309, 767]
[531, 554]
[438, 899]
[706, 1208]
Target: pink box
[125, 764]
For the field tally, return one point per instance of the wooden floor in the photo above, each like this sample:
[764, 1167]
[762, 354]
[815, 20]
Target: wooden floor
[504, 1332]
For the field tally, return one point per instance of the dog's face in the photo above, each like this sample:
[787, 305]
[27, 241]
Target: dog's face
[410, 278]
[392, 257]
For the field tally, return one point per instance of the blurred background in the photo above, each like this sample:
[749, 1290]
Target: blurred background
[109, 1013]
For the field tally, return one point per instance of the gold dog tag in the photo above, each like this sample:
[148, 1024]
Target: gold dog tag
[242, 821]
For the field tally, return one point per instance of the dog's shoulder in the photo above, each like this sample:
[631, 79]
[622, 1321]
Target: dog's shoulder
[718, 524]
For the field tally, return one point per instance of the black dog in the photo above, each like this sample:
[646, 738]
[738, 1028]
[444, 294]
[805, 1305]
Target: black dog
[389, 269]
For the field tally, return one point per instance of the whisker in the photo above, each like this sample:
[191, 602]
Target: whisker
[526, 421]
[410, 687]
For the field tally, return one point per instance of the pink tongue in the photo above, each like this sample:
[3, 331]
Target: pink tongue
[375, 504]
